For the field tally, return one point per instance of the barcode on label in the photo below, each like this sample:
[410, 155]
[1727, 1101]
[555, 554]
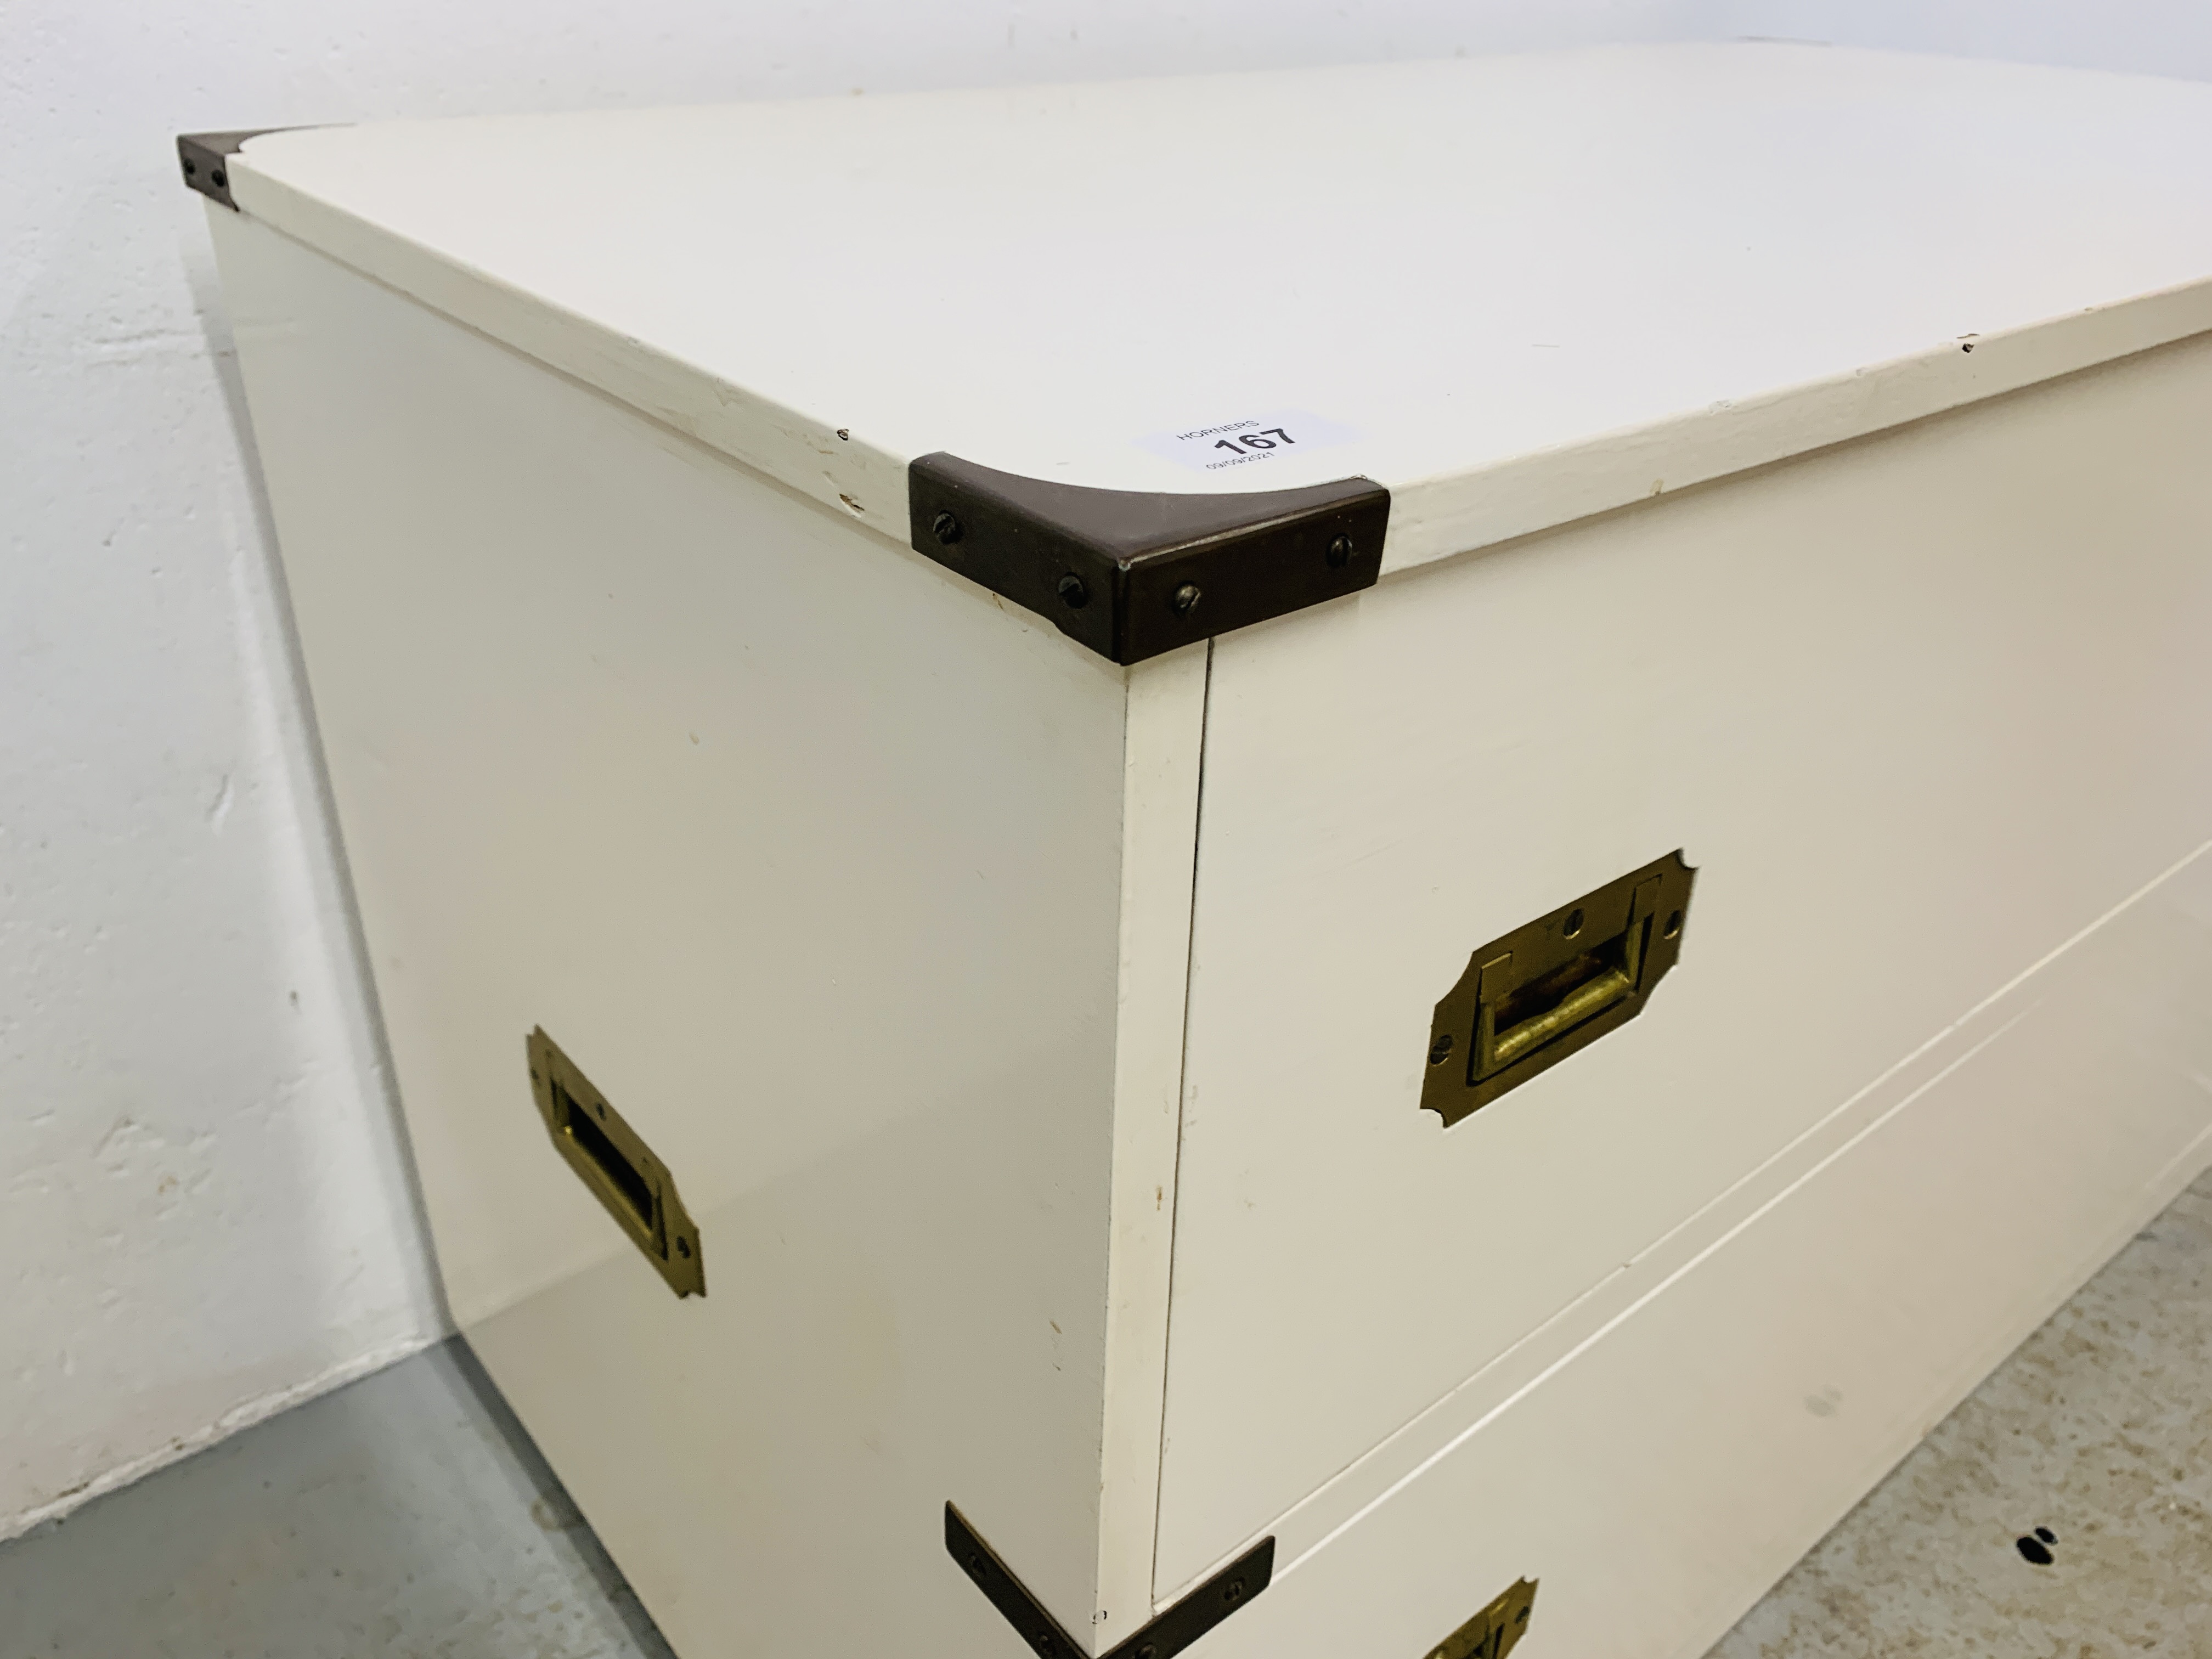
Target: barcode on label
[1218, 446]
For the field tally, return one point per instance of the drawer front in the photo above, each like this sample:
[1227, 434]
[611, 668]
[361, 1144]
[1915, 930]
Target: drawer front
[1919, 711]
[1654, 1483]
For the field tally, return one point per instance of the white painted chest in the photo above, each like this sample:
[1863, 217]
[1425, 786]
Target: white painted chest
[1255, 857]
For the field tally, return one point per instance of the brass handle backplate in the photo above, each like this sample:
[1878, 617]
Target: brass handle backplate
[1530, 999]
[616, 1166]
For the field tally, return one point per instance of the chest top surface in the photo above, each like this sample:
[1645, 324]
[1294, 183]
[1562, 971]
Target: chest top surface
[1512, 290]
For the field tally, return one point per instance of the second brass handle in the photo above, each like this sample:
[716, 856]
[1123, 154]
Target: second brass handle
[1497, 1048]
[1505, 1047]
[1551, 987]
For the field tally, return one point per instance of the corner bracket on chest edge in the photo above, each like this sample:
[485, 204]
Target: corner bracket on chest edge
[205, 159]
[1233, 1587]
[1133, 573]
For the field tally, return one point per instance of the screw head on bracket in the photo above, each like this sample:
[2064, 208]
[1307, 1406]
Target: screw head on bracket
[1184, 599]
[1073, 591]
[1340, 552]
[946, 528]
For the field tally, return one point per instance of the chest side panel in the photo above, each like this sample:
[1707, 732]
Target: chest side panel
[807, 856]
[1919, 711]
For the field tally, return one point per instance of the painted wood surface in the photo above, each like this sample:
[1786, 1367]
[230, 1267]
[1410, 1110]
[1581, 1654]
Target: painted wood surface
[1919, 710]
[1050, 1119]
[1162, 754]
[1661, 1458]
[1531, 288]
[635, 745]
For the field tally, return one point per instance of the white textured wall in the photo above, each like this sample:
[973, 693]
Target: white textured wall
[204, 1209]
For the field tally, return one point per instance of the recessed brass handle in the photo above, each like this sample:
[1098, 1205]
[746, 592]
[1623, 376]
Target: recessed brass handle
[616, 1166]
[1544, 990]
[1501, 1049]
[1495, 1631]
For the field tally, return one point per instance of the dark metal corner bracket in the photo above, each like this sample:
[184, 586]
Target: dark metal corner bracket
[1132, 573]
[1233, 1587]
[205, 158]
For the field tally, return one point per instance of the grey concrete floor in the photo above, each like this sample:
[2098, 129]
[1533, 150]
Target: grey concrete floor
[2098, 1430]
[408, 1516]
[405, 1516]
